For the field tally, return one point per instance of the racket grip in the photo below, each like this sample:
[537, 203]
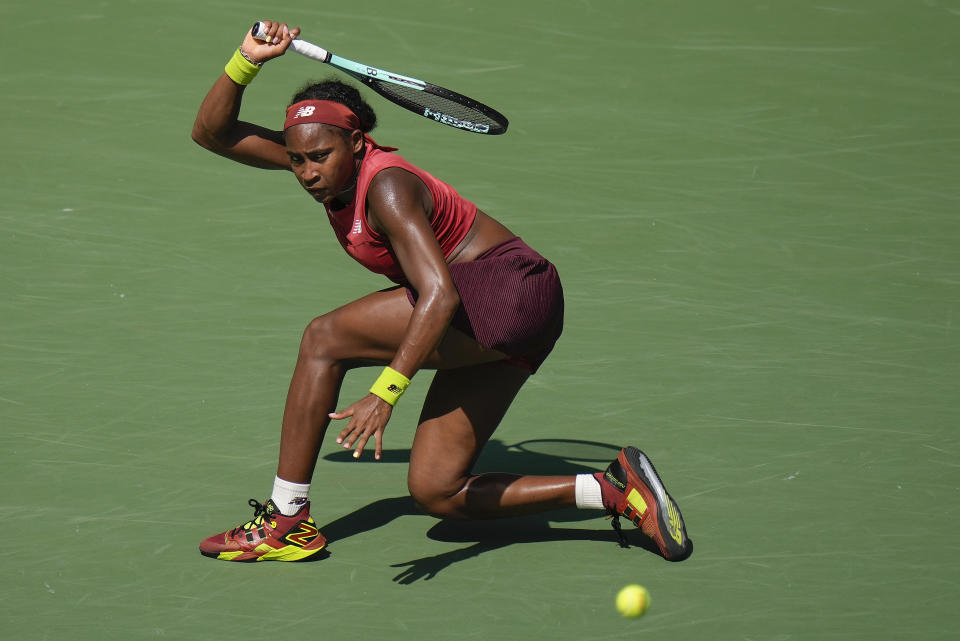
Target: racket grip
[309, 50]
[302, 47]
[258, 31]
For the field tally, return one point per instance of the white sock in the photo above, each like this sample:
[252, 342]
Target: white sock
[289, 497]
[588, 492]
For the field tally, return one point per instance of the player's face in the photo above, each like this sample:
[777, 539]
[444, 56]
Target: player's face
[322, 158]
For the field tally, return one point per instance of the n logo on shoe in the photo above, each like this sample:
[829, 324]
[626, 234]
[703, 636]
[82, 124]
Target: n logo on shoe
[302, 535]
[673, 524]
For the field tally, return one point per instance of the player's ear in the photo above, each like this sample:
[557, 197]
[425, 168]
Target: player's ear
[357, 141]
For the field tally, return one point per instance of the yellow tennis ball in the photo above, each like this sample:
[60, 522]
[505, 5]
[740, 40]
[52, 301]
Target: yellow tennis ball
[632, 601]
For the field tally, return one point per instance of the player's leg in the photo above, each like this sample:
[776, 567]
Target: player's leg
[462, 409]
[367, 331]
[461, 412]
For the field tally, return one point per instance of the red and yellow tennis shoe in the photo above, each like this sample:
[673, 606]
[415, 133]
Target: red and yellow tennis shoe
[270, 536]
[632, 488]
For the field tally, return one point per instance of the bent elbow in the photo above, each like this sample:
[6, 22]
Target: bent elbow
[450, 300]
[206, 136]
[202, 137]
[440, 300]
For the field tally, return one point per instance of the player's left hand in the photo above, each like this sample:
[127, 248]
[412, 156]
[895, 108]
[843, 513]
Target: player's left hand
[368, 417]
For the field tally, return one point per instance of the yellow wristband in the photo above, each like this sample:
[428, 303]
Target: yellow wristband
[390, 385]
[241, 70]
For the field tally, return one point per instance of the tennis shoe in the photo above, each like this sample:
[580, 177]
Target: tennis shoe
[630, 487]
[269, 536]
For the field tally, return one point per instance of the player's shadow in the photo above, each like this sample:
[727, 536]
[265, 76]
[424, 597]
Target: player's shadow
[543, 456]
[485, 536]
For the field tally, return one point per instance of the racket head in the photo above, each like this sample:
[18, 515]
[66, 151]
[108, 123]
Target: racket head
[441, 105]
[426, 99]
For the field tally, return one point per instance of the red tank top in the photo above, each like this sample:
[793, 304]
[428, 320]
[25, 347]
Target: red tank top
[452, 216]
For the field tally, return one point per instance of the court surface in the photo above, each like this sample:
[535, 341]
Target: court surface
[753, 207]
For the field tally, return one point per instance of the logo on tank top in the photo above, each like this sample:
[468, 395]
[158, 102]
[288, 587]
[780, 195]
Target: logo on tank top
[357, 227]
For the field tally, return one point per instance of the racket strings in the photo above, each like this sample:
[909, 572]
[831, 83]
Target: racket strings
[444, 110]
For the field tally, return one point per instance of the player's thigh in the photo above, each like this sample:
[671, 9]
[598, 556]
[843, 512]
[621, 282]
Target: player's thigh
[370, 330]
[462, 409]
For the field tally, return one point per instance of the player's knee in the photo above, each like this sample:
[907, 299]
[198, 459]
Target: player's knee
[433, 500]
[319, 338]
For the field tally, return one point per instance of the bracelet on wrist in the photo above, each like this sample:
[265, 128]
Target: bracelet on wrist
[247, 58]
[241, 70]
[390, 385]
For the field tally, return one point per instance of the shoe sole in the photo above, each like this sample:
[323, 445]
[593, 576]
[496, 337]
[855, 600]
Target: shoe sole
[264, 552]
[669, 533]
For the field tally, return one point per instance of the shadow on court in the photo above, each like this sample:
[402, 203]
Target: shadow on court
[536, 456]
[541, 456]
[493, 535]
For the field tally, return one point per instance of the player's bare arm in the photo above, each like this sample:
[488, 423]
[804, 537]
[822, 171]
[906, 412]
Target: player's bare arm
[217, 126]
[397, 207]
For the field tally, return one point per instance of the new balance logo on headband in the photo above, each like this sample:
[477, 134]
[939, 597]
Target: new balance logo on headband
[304, 112]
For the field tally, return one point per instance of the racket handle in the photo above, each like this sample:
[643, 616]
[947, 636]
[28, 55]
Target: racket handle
[309, 50]
[302, 47]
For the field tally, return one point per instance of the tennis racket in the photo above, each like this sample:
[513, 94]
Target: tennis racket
[429, 100]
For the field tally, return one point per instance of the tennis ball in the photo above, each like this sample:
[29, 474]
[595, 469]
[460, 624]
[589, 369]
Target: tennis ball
[632, 601]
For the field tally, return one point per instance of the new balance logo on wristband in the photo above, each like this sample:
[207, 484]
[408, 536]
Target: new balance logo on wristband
[390, 385]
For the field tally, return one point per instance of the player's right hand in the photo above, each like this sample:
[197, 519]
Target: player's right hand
[279, 37]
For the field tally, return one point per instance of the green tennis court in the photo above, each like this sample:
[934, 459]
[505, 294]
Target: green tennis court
[754, 210]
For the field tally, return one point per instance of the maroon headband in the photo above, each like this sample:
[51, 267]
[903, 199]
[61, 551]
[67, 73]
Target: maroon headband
[326, 112]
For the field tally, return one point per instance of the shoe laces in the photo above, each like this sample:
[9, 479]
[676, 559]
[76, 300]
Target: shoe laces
[259, 512]
[621, 537]
[614, 517]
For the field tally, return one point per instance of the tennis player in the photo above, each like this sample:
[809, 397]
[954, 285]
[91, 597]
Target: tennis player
[472, 301]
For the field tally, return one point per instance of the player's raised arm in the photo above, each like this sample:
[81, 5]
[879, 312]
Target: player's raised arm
[217, 127]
